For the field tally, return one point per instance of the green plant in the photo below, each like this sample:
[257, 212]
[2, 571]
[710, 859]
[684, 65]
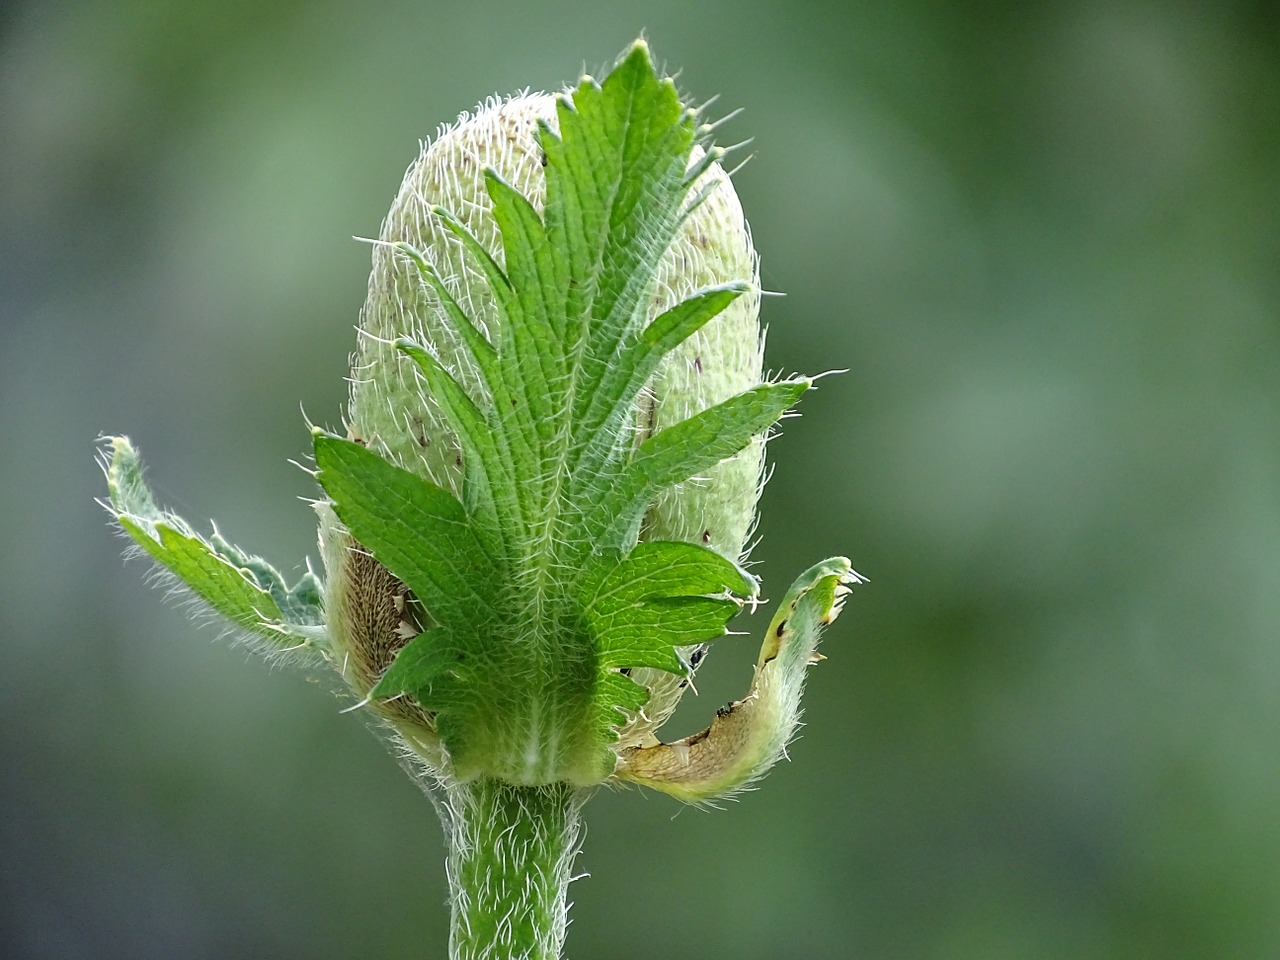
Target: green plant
[552, 462]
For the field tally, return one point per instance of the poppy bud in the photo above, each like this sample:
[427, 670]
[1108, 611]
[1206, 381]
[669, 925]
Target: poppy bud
[392, 411]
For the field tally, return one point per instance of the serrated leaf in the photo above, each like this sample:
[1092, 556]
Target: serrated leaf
[614, 189]
[571, 354]
[419, 531]
[529, 265]
[300, 604]
[645, 633]
[487, 490]
[616, 697]
[678, 324]
[245, 589]
[572, 351]
[521, 421]
[663, 568]
[613, 400]
[575, 281]
[634, 137]
[534, 348]
[679, 452]
[538, 613]
[639, 608]
[482, 351]
[230, 590]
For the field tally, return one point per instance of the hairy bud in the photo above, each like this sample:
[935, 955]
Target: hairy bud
[393, 412]
[536, 520]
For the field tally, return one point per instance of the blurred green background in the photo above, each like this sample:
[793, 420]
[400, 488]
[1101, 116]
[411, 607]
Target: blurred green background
[1043, 237]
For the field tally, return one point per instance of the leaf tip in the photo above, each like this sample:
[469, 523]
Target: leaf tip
[413, 253]
[638, 55]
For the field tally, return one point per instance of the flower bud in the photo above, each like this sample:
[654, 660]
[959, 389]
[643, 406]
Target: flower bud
[390, 408]
[555, 439]
[392, 412]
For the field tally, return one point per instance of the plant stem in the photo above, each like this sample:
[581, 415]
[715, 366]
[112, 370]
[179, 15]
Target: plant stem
[511, 850]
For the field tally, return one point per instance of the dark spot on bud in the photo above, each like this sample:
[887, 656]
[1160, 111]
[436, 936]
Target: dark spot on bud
[625, 671]
[697, 738]
[722, 712]
[697, 364]
[457, 461]
[706, 536]
[781, 626]
[513, 401]
[542, 158]
[683, 684]
[695, 658]
[701, 240]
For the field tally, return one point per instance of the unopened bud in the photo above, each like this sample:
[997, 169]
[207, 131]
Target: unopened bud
[392, 411]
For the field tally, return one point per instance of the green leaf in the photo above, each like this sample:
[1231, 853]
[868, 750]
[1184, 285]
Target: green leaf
[616, 697]
[682, 450]
[537, 600]
[678, 324]
[243, 588]
[518, 387]
[614, 398]
[488, 483]
[575, 283]
[663, 595]
[626, 145]
[615, 184]
[663, 568]
[419, 531]
[534, 348]
[627, 639]
[493, 272]
[300, 604]
[424, 667]
[540, 600]
[530, 267]
[231, 591]
[491, 491]
[572, 292]
[482, 351]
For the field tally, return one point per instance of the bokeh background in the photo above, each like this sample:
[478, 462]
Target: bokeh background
[1044, 238]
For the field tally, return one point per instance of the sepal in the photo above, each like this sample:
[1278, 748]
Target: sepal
[243, 588]
[750, 735]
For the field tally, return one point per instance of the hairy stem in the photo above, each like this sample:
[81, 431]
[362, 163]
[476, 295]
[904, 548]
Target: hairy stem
[511, 851]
